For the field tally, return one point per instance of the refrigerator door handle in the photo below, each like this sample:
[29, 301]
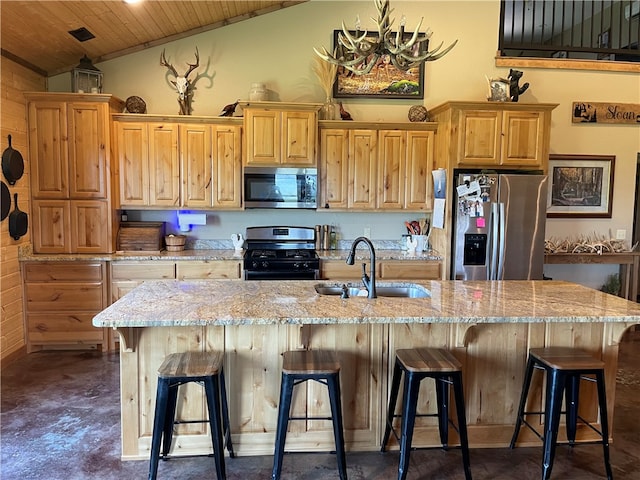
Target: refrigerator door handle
[493, 242]
[501, 232]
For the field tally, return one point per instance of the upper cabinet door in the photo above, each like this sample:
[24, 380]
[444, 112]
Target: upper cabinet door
[480, 137]
[48, 150]
[299, 138]
[420, 161]
[363, 159]
[281, 134]
[88, 144]
[227, 166]
[263, 134]
[164, 165]
[195, 154]
[392, 146]
[334, 167]
[523, 138]
[133, 161]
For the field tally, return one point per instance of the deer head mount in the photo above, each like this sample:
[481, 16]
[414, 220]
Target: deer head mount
[183, 85]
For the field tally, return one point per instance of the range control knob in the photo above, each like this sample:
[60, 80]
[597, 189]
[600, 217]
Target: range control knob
[265, 264]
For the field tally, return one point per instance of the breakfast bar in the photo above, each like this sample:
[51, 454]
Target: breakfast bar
[488, 325]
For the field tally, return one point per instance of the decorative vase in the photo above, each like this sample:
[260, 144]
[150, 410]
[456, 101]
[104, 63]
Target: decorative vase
[328, 109]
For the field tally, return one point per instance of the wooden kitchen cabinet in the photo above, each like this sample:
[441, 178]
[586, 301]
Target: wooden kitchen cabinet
[385, 270]
[369, 166]
[149, 168]
[211, 163]
[339, 270]
[195, 161]
[410, 270]
[280, 134]
[227, 166]
[508, 135]
[213, 269]
[71, 179]
[348, 162]
[177, 162]
[127, 275]
[60, 301]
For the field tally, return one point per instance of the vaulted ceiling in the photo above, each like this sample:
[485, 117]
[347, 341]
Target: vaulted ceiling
[35, 33]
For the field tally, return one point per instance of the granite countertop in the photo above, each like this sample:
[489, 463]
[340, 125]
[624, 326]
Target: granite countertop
[213, 254]
[233, 302]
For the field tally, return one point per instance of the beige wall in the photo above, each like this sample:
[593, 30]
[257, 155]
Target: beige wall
[14, 79]
[277, 49]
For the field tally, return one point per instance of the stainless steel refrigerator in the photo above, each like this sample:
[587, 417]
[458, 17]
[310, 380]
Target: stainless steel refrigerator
[498, 226]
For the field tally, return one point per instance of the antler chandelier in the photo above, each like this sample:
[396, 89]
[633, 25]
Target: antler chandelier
[359, 53]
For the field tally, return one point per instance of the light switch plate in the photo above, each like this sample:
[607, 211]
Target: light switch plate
[621, 234]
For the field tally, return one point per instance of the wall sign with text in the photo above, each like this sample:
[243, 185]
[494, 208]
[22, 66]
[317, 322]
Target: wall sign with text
[602, 112]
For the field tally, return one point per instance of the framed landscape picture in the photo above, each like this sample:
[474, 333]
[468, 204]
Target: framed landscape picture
[384, 80]
[580, 186]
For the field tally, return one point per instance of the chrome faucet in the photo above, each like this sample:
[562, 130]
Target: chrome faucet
[369, 281]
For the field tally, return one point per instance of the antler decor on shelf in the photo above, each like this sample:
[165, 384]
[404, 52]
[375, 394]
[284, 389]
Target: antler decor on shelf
[184, 86]
[360, 52]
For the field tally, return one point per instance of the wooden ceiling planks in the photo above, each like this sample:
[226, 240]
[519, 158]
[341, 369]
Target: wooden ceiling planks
[119, 28]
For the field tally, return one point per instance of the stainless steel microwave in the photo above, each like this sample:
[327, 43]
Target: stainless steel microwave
[275, 187]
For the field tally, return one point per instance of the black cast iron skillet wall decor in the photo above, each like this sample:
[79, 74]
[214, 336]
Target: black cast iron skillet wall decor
[6, 202]
[5, 206]
[12, 164]
[18, 221]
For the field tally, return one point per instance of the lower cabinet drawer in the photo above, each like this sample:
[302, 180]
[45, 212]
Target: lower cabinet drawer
[63, 328]
[142, 270]
[339, 270]
[63, 272]
[410, 270]
[58, 296]
[230, 269]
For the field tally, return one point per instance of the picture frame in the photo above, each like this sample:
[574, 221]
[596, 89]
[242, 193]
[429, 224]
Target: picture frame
[581, 186]
[384, 81]
[498, 90]
[603, 42]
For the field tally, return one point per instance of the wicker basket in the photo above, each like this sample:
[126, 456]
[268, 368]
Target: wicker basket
[175, 243]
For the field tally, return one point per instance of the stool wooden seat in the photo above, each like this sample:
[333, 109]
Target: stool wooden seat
[416, 365]
[564, 367]
[178, 369]
[299, 366]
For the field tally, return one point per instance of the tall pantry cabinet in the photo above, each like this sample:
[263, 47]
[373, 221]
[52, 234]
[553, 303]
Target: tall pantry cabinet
[71, 176]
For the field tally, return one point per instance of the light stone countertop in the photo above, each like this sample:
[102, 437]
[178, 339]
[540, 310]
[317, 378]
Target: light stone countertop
[233, 302]
[214, 254]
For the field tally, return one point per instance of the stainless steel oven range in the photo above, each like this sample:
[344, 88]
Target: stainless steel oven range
[280, 253]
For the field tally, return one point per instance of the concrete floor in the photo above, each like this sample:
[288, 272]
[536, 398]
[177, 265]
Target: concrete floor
[60, 420]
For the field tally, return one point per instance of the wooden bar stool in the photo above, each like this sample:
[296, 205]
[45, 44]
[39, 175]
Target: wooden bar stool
[180, 368]
[564, 367]
[298, 367]
[416, 365]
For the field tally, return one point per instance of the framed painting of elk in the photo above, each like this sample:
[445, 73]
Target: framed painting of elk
[384, 80]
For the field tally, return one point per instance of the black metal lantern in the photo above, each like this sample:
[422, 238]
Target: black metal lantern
[86, 78]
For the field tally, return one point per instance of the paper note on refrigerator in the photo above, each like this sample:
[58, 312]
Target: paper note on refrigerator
[468, 189]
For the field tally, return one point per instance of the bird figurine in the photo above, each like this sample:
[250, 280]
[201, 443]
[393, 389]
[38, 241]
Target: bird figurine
[228, 110]
[343, 113]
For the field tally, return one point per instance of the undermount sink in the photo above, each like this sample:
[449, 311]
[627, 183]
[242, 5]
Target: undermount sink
[399, 291]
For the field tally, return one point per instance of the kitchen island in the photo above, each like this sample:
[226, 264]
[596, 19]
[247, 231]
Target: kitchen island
[489, 326]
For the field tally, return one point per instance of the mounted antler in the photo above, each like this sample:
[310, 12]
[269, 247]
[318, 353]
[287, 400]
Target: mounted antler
[359, 54]
[183, 85]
